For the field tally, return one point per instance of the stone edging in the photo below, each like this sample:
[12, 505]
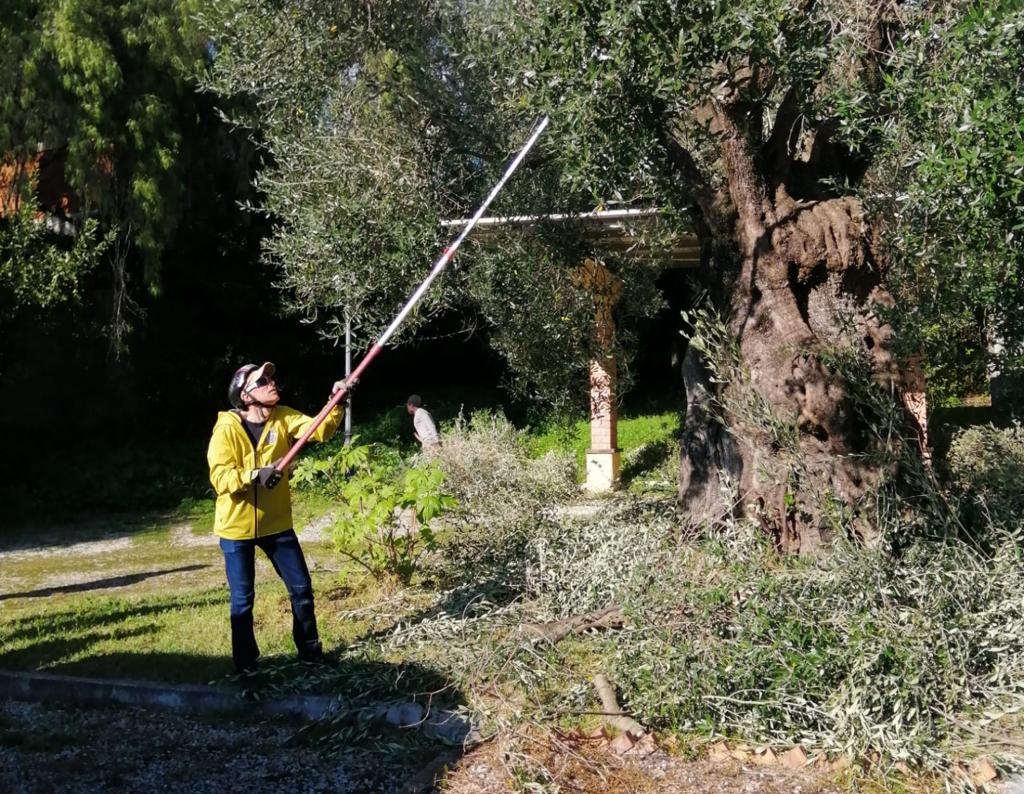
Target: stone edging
[191, 698]
[440, 724]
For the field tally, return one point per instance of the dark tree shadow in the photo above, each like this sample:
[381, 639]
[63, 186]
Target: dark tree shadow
[945, 422]
[86, 618]
[49, 651]
[101, 584]
[647, 458]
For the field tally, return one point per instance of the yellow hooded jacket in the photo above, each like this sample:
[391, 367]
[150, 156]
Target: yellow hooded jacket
[245, 510]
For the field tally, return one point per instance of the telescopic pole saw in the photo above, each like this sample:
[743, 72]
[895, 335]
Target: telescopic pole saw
[439, 265]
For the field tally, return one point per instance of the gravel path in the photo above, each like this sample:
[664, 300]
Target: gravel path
[45, 748]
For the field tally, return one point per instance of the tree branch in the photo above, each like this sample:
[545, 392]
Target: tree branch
[746, 184]
[685, 168]
[617, 718]
[778, 149]
[557, 630]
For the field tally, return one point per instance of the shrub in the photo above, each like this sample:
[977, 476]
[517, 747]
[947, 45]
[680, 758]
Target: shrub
[503, 493]
[987, 465]
[384, 516]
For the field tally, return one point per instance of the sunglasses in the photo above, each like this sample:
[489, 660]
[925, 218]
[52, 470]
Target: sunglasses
[260, 382]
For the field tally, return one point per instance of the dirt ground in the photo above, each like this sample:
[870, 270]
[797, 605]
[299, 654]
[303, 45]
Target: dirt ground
[587, 767]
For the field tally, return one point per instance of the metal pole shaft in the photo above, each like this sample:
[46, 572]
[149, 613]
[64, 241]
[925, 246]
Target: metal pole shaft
[348, 372]
[440, 265]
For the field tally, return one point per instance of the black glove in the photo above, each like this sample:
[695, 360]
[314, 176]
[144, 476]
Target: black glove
[268, 477]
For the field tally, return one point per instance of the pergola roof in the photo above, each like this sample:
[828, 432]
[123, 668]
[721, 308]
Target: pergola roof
[616, 230]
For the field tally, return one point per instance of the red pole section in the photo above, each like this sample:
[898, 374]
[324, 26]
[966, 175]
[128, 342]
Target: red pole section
[439, 265]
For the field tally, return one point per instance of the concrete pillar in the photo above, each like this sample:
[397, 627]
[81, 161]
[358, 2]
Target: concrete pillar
[603, 456]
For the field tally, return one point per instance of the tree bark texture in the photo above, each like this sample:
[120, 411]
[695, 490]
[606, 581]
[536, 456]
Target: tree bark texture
[805, 282]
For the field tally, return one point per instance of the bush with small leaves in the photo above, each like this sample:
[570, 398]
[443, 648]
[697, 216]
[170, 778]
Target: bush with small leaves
[503, 493]
[987, 464]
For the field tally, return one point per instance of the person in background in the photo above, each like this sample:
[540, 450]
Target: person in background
[423, 424]
[254, 507]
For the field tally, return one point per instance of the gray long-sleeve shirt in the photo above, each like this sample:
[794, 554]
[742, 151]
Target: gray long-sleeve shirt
[426, 430]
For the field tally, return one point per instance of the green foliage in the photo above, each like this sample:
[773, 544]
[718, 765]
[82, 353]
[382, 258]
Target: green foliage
[740, 405]
[860, 652]
[950, 182]
[104, 478]
[39, 269]
[987, 466]
[384, 519]
[353, 178]
[915, 655]
[620, 79]
[362, 170]
[912, 650]
[106, 83]
[503, 492]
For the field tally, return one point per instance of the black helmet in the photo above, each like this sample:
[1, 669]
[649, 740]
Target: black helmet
[238, 383]
[241, 377]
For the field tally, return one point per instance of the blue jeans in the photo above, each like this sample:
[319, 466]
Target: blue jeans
[240, 564]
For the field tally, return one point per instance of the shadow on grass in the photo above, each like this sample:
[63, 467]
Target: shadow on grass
[98, 616]
[358, 680]
[49, 652]
[67, 641]
[101, 584]
[645, 459]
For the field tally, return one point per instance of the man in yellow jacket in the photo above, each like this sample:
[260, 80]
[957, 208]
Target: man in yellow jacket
[254, 509]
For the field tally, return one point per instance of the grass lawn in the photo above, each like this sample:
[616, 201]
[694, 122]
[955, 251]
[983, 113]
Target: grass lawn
[177, 637]
[648, 443]
[145, 596]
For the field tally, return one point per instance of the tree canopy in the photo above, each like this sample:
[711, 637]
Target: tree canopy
[378, 127]
[949, 183]
[107, 85]
[382, 121]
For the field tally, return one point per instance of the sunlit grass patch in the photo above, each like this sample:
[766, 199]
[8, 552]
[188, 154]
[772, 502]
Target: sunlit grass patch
[179, 637]
[656, 431]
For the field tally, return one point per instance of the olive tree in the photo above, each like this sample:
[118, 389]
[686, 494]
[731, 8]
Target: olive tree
[949, 181]
[783, 127]
[376, 127]
[775, 129]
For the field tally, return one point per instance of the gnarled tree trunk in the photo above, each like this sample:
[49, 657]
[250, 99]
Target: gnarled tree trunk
[805, 282]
